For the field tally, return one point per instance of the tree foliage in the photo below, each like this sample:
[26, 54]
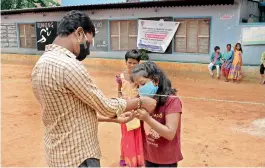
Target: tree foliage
[21, 4]
[144, 55]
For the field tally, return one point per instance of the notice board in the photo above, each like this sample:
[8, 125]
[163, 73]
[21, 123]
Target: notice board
[8, 35]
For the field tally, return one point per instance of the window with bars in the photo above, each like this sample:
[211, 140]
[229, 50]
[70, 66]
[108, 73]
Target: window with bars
[193, 36]
[123, 35]
[27, 36]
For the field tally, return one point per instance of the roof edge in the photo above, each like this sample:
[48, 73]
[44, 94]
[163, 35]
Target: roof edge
[119, 6]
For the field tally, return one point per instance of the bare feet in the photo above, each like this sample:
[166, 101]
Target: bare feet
[212, 76]
[218, 77]
[226, 80]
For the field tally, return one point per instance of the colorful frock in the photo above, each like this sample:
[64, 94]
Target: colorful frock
[235, 71]
[228, 59]
[131, 141]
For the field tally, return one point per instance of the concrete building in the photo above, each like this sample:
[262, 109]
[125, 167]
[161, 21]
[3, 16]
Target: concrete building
[204, 24]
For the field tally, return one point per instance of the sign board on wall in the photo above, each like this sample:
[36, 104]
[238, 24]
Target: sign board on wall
[155, 36]
[100, 42]
[8, 35]
[46, 33]
[169, 48]
[253, 35]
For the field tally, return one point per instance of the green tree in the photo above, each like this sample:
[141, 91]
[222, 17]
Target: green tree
[21, 4]
[144, 55]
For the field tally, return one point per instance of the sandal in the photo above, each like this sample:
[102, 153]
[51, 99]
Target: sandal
[122, 163]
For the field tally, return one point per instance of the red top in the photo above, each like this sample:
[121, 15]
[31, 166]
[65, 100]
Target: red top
[156, 148]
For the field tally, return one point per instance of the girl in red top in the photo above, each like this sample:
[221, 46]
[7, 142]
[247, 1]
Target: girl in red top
[160, 129]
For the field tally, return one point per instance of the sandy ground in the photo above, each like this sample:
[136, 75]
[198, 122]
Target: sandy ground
[213, 133]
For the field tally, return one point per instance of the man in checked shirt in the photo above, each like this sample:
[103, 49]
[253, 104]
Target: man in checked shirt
[70, 100]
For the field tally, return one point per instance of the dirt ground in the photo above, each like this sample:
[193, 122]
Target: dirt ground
[213, 133]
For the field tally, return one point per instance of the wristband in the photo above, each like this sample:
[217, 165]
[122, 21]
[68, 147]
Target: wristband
[139, 103]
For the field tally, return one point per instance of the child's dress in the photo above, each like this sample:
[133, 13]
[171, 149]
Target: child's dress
[131, 141]
[236, 72]
[228, 58]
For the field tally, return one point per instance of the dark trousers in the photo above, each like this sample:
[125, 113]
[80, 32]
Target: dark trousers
[150, 164]
[262, 69]
[90, 162]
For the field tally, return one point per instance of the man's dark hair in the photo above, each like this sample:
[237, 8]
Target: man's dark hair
[133, 54]
[229, 45]
[74, 19]
[152, 71]
[216, 48]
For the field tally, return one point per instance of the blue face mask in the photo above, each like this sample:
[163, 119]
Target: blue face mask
[149, 89]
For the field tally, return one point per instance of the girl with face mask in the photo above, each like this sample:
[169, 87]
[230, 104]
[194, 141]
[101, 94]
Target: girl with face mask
[160, 129]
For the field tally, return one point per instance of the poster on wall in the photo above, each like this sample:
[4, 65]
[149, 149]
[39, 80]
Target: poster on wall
[8, 35]
[155, 36]
[253, 35]
[169, 48]
[46, 33]
[100, 42]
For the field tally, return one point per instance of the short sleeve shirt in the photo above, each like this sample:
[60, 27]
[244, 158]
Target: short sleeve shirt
[156, 148]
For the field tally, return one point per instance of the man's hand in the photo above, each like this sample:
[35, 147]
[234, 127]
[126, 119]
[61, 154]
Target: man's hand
[120, 94]
[142, 114]
[125, 117]
[149, 104]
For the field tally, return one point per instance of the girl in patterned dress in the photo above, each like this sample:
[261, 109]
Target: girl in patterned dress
[131, 141]
[236, 72]
[227, 58]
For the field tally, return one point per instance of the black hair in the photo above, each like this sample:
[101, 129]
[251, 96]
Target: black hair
[74, 19]
[133, 54]
[229, 45]
[216, 48]
[152, 71]
[240, 47]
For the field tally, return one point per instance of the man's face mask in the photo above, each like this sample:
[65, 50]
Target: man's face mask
[84, 49]
[149, 89]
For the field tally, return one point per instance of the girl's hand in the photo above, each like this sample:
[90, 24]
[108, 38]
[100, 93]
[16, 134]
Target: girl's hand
[149, 104]
[142, 114]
